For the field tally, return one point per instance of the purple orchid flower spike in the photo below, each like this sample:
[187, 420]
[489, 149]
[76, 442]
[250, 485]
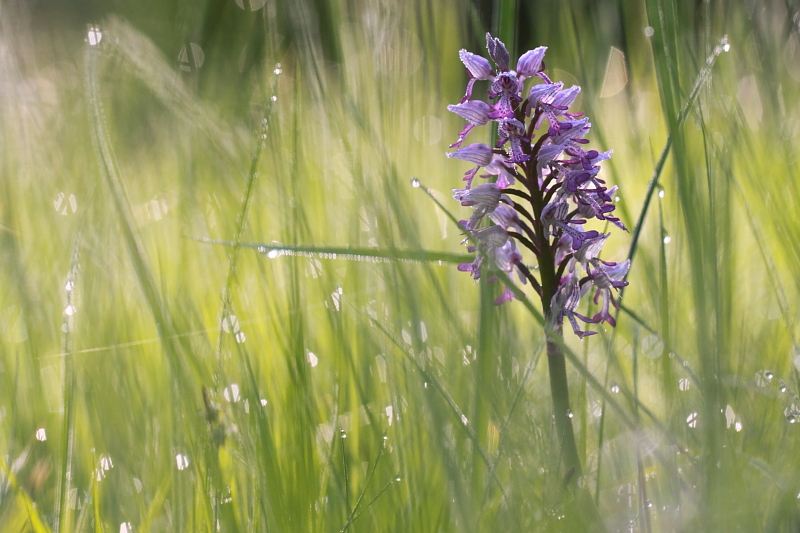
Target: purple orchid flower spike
[554, 180]
[549, 201]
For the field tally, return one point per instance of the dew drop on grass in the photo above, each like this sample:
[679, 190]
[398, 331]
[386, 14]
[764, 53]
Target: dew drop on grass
[41, 434]
[125, 527]
[95, 36]
[684, 384]
[615, 389]
[569, 413]
[667, 239]
[191, 57]
[649, 31]
[691, 420]
[231, 393]
[762, 378]
[106, 463]
[414, 182]
[251, 5]
[230, 324]
[181, 461]
[661, 194]
[70, 310]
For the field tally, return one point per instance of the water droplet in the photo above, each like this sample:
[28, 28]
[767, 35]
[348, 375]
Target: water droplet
[69, 286]
[241, 337]
[181, 461]
[312, 359]
[230, 324]
[783, 388]
[464, 420]
[415, 182]
[389, 410]
[661, 193]
[667, 239]
[95, 36]
[278, 71]
[231, 393]
[649, 31]
[41, 434]
[342, 434]
[191, 57]
[730, 416]
[251, 5]
[274, 98]
[272, 254]
[106, 463]
[768, 374]
[397, 478]
[691, 420]
[569, 413]
[70, 310]
[125, 527]
[615, 389]
[684, 384]
[726, 47]
[761, 378]
[652, 346]
[264, 402]
[428, 130]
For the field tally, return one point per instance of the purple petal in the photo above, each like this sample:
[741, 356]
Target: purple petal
[475, 112]
[478, 153]
[566, 98]
[529, 63]
[478, 66]
[498, 52]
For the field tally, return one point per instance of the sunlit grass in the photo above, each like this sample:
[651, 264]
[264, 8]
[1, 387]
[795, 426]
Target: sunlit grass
[383, 395]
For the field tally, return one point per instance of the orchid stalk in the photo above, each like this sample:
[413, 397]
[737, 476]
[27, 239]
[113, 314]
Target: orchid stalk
[542, 190]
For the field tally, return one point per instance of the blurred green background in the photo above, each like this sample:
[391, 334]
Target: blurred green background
[153, 382]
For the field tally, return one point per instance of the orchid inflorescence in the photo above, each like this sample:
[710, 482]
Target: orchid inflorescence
[558, 180]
